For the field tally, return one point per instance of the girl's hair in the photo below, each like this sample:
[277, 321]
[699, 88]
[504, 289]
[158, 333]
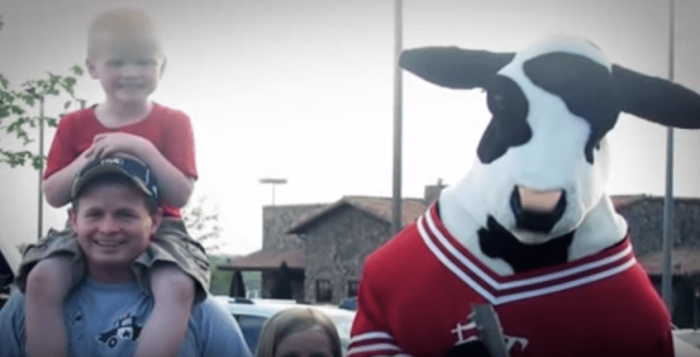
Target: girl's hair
[290, 321]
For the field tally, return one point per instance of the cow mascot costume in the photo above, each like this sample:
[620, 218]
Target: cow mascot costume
[529, 230]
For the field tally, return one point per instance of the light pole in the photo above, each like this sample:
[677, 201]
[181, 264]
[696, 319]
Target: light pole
[398, 103]
[40, 213]
[666, 273]
[273, 182]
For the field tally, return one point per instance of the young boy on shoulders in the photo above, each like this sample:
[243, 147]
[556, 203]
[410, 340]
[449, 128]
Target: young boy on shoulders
[125, 55]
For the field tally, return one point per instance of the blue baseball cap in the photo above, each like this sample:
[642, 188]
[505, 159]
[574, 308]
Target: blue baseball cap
[139, 173]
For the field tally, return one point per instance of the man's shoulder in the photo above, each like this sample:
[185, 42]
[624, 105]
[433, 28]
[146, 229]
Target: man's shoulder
[209, 313]
[12, 326]
[13, 310]
[217, 330]
[16, 301]
[208, 308]
[208, 303]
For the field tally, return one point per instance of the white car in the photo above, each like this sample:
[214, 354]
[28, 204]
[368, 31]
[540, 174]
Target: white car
[252, 314]
[686, 342]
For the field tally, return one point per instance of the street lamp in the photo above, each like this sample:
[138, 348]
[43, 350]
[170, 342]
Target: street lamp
[273, 182]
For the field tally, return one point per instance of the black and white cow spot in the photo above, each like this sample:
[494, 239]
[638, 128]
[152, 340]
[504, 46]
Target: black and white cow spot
[587, 88]
[508, 127]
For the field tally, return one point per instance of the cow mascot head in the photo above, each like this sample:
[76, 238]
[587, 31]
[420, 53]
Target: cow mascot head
[529, 230]
[536, 195]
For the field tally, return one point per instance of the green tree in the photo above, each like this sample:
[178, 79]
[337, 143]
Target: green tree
[202, 222]
[220, 283]
[19, 118]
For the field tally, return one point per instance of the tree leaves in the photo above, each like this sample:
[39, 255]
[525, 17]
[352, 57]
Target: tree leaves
[18, 107]
[202, 222]
[4, 82]
[16, 158]
[77, 70]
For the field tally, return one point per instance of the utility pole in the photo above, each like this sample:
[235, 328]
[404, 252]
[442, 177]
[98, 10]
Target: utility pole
[398, 103]
[40, 214]
[41, 169]
[666, 277]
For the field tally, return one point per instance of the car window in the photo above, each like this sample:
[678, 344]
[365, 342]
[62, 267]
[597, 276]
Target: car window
[250, 327]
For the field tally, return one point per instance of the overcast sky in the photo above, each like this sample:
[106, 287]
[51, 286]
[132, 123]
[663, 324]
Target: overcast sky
[302, 90]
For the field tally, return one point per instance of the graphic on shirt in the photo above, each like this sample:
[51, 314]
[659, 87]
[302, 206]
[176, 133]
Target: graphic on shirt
[512, 341]
[126, 329]
[467, 331]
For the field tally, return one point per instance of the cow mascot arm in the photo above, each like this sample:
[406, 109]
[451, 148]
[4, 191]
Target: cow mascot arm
[529, 230]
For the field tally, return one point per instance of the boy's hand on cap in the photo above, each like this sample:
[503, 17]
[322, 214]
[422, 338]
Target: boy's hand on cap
[110, 144]
[121, 155]
[124, 155]
[89, 153]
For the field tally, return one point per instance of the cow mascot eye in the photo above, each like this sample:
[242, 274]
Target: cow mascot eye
[508, 127]
[496, 103]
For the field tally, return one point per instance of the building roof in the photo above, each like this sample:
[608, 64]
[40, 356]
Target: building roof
[267, 259]
[380, 207]
[278, 219]
[620, 201]
[684, 261]
[412, 208]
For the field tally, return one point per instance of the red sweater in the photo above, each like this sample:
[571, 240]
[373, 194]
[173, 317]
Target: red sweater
[416, 292]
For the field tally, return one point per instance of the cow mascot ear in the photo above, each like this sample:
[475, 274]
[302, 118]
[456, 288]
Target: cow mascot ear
[657, 100]
[652, 98]
[454, 67]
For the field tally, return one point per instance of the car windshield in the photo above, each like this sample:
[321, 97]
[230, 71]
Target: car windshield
[342, 323]
[251, 326]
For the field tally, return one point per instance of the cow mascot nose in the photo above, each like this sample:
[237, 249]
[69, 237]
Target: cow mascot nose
[537, 211]
[529, 230]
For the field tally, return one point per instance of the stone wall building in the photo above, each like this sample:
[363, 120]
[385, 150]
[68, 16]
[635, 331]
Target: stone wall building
[281, 261]
[644, 215]
[339, 237]
[314, 253]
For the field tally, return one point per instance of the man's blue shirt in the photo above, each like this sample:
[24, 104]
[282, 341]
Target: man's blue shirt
[107, 319]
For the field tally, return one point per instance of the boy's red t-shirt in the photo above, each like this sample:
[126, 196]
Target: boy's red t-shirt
[170, 131]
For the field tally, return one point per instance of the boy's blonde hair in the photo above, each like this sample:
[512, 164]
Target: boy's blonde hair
[125, 24]
[290, 321]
